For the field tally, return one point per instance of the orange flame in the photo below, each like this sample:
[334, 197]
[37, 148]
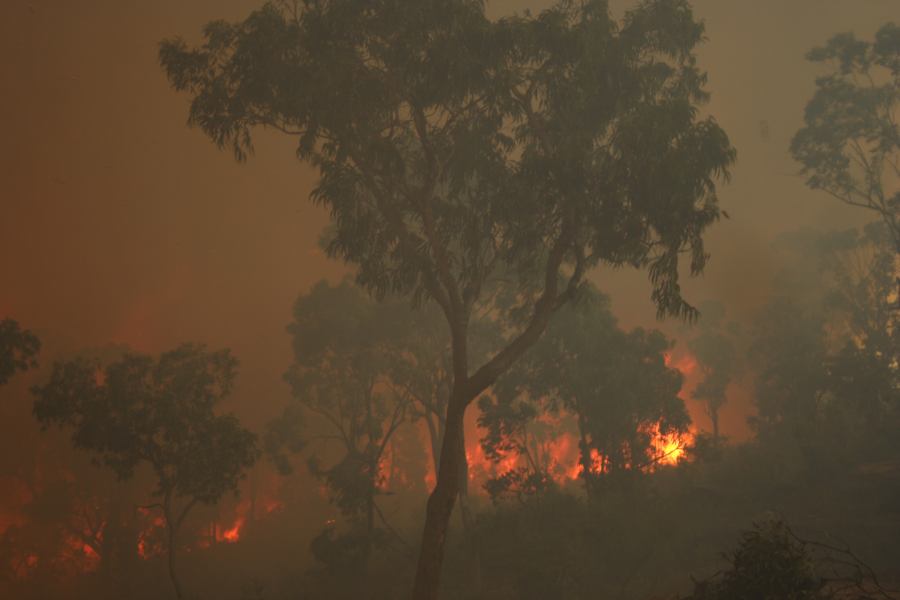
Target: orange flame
[670, 449]
[233, 534]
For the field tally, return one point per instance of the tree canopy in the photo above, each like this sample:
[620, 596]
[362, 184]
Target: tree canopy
[850, 144]
[447, 143]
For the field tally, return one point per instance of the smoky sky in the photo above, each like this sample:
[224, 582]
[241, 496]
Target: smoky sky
[118, 224]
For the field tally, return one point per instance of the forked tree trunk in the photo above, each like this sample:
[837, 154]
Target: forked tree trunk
[465, 388]
[440, 502]
[436, 430]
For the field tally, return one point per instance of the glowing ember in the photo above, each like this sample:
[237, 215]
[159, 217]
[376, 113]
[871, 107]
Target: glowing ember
[149, 544]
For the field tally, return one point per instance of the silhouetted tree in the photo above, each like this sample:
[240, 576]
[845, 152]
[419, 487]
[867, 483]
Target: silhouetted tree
[18, 349]
[850, 144]
[159, 412]
[451, 148]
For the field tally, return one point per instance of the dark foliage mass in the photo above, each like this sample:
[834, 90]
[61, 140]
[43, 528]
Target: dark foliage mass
[18, 349]
[850, 145]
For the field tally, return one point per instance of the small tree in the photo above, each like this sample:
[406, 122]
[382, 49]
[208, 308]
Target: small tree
[344, 347]
[18, 349]
[713, 348]
[452, 148]
[159, 412]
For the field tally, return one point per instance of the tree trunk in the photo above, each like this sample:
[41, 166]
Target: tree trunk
[473, 555]
[172, 527]
[465, 388]
[440, 502]
[436, 436]
[370, 515]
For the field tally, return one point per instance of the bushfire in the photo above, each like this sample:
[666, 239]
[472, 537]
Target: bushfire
[556, 453]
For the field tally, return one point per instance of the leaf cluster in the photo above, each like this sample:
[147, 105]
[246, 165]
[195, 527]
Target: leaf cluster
[449, 145]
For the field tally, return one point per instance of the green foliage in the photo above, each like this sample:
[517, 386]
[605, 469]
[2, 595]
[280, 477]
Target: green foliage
[449, 145]
[18, 349]
[157, 411]
[850, 145]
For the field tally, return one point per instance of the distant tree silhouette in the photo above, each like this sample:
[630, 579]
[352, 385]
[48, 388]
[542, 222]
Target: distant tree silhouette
[344, 348]
[788, 352]
[159, 412]
[714, 349]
